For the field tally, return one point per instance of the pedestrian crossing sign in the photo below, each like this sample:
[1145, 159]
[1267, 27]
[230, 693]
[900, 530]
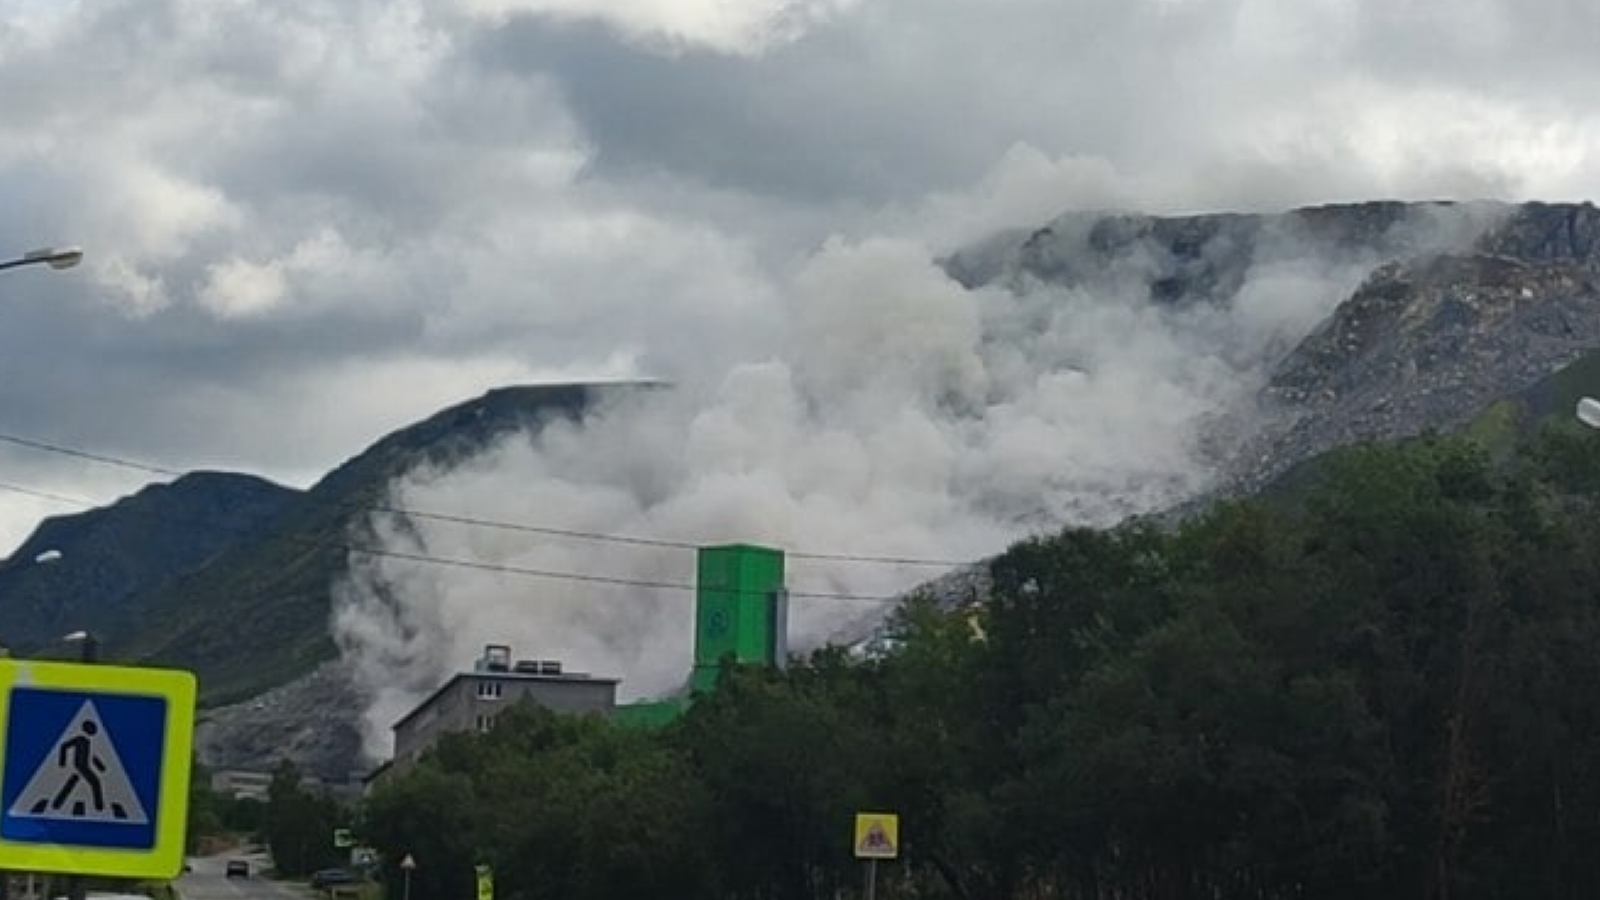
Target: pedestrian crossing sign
[877, 835]
[94, 768]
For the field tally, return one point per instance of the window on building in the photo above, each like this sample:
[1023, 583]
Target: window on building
[485, 723]
[490, 690]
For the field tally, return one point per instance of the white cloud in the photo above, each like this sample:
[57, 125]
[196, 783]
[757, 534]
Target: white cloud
[239, 287]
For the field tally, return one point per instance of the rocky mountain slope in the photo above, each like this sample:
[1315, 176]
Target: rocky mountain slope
[1448, 307]
[228, 574]
[1430, 341]
[101, 568]
[256, 615]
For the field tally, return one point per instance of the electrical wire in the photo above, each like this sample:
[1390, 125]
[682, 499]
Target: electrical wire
[498, 568]
[478, 522]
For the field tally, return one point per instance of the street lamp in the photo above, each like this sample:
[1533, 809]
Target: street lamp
[90, 645]
[54, 257]
[1589, 412]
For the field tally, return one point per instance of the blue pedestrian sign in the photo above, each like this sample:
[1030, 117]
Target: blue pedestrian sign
[94, 768]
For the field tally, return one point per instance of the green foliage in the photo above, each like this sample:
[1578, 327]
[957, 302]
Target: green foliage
[298, 825]
[604, 813]
[213, 814]
[1380, 685]
[204, 818]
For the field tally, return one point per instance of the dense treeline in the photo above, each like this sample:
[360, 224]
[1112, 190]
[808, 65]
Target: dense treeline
[1384, 686]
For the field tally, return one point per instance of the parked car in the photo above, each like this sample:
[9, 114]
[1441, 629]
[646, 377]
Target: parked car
[238, 868]
[327, 878]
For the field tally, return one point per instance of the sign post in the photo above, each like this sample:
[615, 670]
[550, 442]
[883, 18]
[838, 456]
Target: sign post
[877, 836]
[94, 768]
[406, 866]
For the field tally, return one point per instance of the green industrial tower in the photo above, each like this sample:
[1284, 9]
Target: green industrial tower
[741, 614]
[741, 610]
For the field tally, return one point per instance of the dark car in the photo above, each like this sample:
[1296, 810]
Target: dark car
[238, 868]
[327, 878]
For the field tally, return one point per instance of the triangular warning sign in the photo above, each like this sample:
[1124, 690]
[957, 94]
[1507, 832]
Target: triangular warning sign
[876, 841]
[82, 779]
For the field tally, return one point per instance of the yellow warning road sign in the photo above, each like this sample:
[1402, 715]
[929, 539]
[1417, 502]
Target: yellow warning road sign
[877, 835]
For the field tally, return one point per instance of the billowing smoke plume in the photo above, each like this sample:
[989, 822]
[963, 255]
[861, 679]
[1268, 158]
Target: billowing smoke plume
[894, 413]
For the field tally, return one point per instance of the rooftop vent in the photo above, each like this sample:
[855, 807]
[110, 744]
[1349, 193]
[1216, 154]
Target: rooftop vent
[496, 658]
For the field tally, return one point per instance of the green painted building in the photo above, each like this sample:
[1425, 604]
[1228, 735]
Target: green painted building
[741, 610]
[741, 615]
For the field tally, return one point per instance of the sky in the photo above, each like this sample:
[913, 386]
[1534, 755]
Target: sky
[306, 225]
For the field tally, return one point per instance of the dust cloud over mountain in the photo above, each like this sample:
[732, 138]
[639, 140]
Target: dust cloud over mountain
[882, 409]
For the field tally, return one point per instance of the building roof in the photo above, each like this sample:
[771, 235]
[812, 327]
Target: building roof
[567, 677]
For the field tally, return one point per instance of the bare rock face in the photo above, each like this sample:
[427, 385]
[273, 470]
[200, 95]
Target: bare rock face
[1208, 258]
[313, 721]
[1428, 342]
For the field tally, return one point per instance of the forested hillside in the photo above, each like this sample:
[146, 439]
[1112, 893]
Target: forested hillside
[1381, 686]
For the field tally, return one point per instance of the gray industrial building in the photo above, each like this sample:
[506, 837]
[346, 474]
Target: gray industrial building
[470, 701]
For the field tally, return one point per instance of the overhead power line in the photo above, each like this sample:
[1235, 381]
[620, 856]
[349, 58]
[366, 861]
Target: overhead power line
[478, 522]
[650, 542]
[498, 568]
[82, 454]
[45, 495]
[593, 579]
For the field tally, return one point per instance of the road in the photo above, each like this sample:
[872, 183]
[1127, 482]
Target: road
[206, 881]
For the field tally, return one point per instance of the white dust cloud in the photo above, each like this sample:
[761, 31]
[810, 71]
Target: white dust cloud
[898, 414]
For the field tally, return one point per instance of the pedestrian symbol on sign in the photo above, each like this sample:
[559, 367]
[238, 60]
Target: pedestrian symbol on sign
[82, 780]
[877, 836]
[876, 841]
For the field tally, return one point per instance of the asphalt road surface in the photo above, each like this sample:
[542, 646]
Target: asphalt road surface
[206, 881]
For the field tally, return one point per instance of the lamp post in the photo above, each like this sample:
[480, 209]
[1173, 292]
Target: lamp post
[88, 644]
[54, 257]
[88, 652]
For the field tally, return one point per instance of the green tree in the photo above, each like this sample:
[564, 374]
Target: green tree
[204, 817]
[298, 824]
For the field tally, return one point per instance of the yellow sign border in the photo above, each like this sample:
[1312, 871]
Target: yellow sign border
[891, 827]
[485, 876]
[178, 689]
